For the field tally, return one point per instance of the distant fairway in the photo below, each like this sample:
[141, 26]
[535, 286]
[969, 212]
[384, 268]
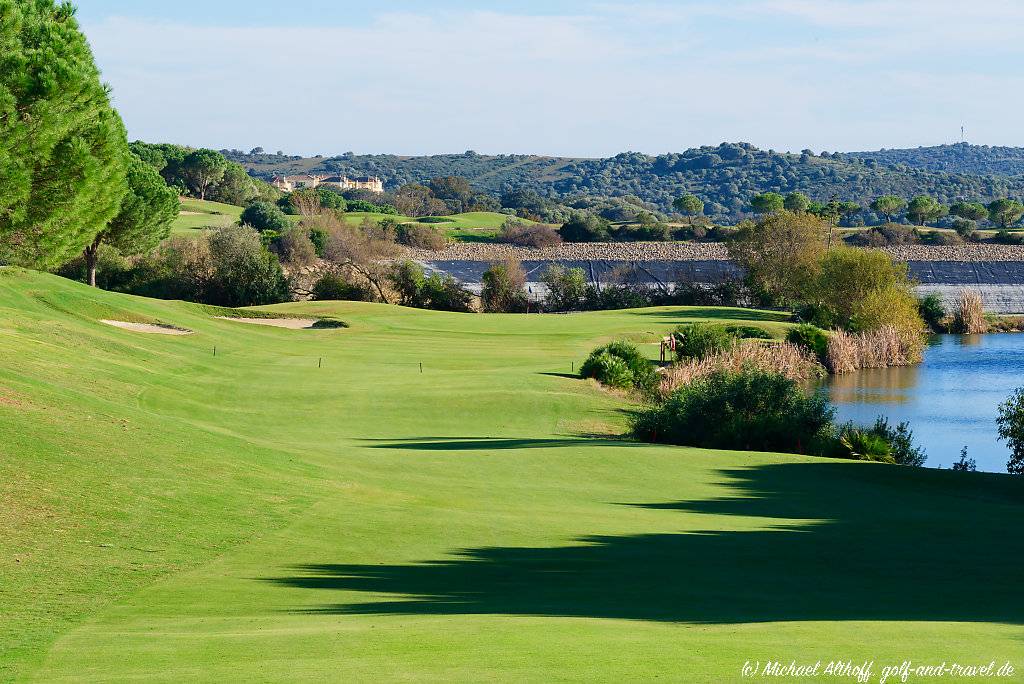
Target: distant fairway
[173, 515]
[197, 214]
[471, 226]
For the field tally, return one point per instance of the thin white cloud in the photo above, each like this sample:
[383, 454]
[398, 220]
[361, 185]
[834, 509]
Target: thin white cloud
[653, 78]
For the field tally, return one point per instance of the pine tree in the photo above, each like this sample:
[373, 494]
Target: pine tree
[63, 148]
[144, 219]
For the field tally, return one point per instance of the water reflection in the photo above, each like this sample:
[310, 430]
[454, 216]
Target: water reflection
[950, 400]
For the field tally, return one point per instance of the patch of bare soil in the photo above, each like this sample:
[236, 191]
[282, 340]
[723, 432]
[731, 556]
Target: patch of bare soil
[151, 328]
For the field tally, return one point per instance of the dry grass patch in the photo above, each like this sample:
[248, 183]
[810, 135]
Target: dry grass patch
[969, 314]
[784, 358]
[880, 348]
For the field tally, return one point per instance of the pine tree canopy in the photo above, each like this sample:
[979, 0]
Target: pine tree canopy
[63, 148]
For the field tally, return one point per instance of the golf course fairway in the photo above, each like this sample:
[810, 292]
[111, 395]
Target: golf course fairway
[250, 503]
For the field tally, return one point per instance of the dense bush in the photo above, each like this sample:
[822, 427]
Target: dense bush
[748, 410]
[647, 231]
[244, 272]
[567, 288]
[585, 227]
[331, 286]
[227, 267]
[420, 237]
[528, 235]
[781, 255]
[294, 248]
[747, 332]
[932, 312]
[264, 216]
[862, 290]
[608, 369]
[370, 207]
[700, 340]
[885, 235]
[436, 291]
[810, 337]
[622, 365]
[318, 236]
[503, 290]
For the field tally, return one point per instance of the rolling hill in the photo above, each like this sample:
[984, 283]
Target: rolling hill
[724, 176]
[957, 158]
[314, 504]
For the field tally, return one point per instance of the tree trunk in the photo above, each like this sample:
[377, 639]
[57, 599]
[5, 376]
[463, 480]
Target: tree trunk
[90, 260]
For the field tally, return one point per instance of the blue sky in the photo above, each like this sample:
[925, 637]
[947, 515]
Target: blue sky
[564, 78]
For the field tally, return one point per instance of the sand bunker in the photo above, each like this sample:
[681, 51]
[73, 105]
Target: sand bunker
[149, 328]
[290, 323]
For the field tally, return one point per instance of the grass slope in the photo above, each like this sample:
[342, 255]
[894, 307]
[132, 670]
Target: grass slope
[471, 226]
[171, 515]
[197, 214]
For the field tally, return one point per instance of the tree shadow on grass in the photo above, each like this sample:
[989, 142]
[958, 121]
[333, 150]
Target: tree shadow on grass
[490, 443]
[804, 541]
[714, 313]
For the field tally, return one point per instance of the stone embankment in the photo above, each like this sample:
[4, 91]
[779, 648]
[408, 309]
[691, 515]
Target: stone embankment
[966, 252]
[580, 251]
[690, 251]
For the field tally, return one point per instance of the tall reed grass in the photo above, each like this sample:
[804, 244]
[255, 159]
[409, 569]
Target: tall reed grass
[968, 314]
[882, 348]
[785, 358]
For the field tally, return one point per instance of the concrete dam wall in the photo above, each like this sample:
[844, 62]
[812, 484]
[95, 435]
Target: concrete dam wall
[1000, 283]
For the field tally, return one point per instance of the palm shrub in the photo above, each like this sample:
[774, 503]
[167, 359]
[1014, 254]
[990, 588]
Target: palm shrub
[865, 445]
[622, 365]
[748, 409]
[901, 442]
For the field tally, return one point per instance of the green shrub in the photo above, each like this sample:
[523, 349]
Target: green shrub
[811, 338]
[747, 332]
[640, 373]
[503, 288]
[865, 445]
[901, 442]
[746, 410]
[608, 369]
[585, 227]
[420, 237]
[332, 287]
[932, 311]
[318, 236]
[328, 324]
[264, 216]
[700, 340]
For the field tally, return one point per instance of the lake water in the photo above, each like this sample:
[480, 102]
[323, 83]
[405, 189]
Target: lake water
[949, 400]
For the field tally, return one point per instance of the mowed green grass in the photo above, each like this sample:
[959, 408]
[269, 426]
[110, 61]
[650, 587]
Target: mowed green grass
[198, 214]
[308, 505]
[472, 226]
